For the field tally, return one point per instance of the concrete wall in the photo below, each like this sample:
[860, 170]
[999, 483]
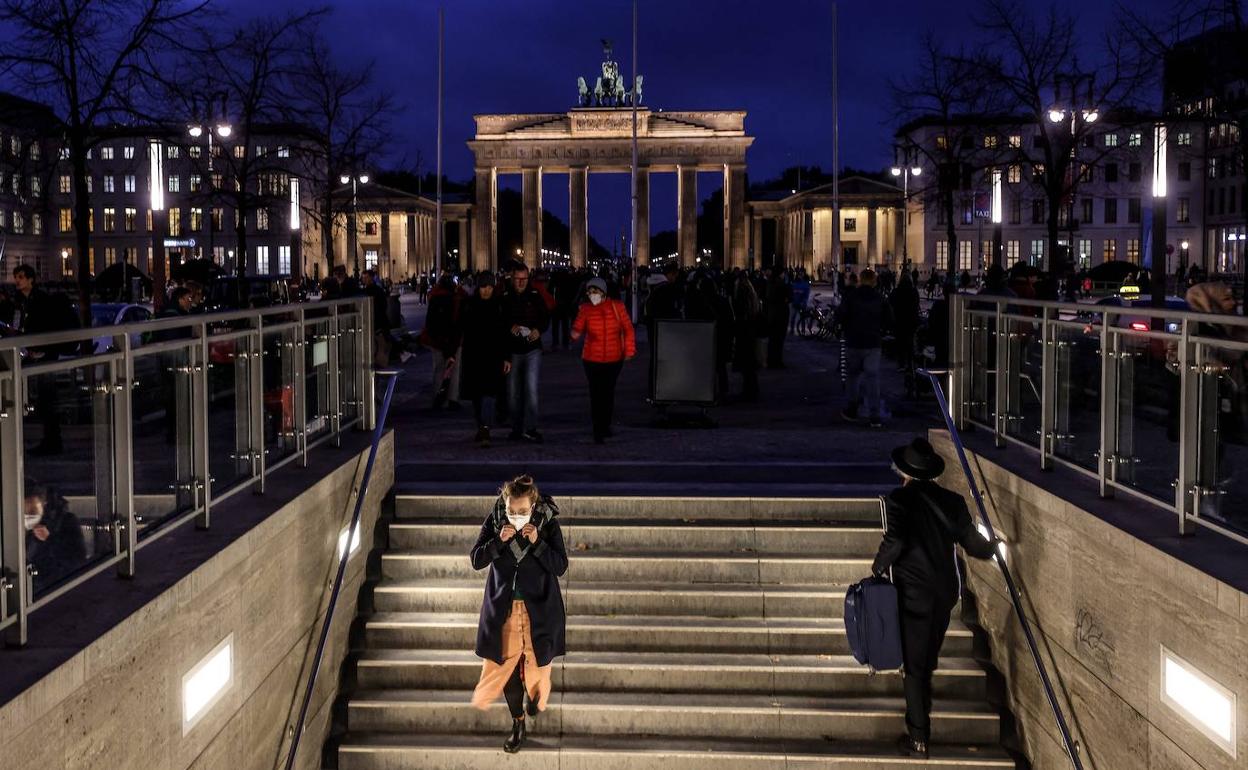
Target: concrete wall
[1103, 602]
[117, 703]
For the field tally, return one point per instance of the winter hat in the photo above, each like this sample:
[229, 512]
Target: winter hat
[596, 283]
[486, 278]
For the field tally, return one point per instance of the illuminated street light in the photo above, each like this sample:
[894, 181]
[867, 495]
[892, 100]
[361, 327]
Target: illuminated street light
[352, 231]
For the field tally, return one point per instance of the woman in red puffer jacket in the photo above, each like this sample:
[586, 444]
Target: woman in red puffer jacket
[609, 342]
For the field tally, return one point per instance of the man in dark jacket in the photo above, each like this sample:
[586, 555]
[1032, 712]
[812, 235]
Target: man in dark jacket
[442, 335]
[41, 313]
[379, 304]
[776, 307]
[925, 521]
[863, 315]
[526, 317]
[483, 356]
[905, 306]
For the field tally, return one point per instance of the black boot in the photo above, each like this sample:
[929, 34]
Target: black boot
[912, 747]
[518, 732]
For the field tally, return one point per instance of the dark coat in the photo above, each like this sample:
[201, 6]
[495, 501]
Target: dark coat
[442, 319]
[864, 314]
[533, 568]
[779, 296]
[905, 305]
[527, 309]
[43, 313]
[918, 546]
[62, 553]
[485, 347]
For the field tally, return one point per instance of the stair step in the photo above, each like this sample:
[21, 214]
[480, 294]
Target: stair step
[642, 633]
[651, 566]
[668, 672]
[759, 717]
[724, 536]
[721, 600]
[574, 508]
[389, 751]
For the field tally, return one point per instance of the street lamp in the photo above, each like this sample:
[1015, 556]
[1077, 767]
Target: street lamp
[354, 179]
[1159, 215]
[211, 124]
[908, 167]
[1073, 99]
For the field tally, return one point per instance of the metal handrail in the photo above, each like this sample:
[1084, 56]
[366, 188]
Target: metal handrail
[379, 430]
[1072, 746]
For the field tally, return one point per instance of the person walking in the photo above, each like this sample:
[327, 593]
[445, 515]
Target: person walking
[379, 300]
[778, 298]
[521, 628]
[527, 318]
[483, 354]
[801, 299]
[609, 342]
[906, 317]
[442, 335]
[746, 312]
[38, 313]
[924, 522]
[863, 315]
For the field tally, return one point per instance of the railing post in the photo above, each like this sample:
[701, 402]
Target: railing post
[201, 483]
[1000, 406]
[958, 363]
[1187, 485]
[1106, 468]
[335, 385]
[368, 405]
[299, 374]
[14, 582]
[1048, 389]
[126, 540]
[257, 406]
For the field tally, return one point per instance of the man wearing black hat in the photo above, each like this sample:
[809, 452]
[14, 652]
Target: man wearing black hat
[925, 521]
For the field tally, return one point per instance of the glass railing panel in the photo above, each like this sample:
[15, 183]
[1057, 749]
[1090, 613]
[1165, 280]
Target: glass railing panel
[1025, 349]
[316, 378]
[1146, 454]
[278, 375]
[350, 359]
[229, 412]
[982, 354]
[163, 442]
[69, 471]
[1077, 406]
[1222, 436]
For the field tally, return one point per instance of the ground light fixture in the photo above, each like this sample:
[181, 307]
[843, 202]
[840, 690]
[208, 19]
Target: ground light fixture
[1201, 701]
[207, 682]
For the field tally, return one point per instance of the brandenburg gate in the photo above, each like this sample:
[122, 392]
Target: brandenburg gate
[598, 139]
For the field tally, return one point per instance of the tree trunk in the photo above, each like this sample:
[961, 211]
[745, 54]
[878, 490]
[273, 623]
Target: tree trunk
[951, 234]
[1057, 260]
[82, 222]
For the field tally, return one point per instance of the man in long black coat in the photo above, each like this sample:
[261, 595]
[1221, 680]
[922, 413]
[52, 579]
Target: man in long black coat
[925, 521]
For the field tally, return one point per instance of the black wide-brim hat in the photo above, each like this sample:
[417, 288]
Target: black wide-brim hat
[918, 460]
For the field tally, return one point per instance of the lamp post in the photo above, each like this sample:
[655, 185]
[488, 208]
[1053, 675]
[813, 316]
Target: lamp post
[1072, 110]
[156, 176]
[213, 123]
[352, 226]
[1159, 216]
[908, 167]
[996, 217]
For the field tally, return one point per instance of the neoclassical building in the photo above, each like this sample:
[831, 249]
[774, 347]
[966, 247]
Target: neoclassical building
[396, 231]
[795, 229]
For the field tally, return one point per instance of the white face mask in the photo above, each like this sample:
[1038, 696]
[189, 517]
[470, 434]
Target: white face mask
[595, 298]
[32, 522]
[519, 521]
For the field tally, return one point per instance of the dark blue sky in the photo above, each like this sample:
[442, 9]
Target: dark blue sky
[772, 58]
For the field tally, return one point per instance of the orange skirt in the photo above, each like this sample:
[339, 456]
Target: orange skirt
[517, 645]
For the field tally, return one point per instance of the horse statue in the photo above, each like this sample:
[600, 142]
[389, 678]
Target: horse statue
[635, 97]
[582, 93]
[600, 93]
[618, 94]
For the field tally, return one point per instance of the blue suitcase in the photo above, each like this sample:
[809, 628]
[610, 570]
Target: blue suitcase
[873, 624]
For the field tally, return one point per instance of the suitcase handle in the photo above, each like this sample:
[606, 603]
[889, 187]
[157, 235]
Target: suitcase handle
[884, 527]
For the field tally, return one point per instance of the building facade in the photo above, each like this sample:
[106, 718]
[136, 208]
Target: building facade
[1106, 214]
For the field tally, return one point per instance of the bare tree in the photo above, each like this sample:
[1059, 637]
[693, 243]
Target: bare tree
[87, 57]
[945, 95]
[350, 121]
[1025, 54]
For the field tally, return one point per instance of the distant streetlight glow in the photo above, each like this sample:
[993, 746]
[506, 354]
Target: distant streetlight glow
[196, 131]
[224, 130]
[1057, 116]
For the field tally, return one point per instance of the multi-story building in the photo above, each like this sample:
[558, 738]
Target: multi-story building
[27, 133]
[264, 182]
[1105, 215]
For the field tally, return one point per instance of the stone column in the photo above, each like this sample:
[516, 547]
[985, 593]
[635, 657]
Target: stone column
[413, 260]
[756, 239]
[735, 248]
[531, 215]
[782, 224]
[873, 240]
[485, 180]
[578, 219]
[643, 216]
[687, 214]
[383, 249]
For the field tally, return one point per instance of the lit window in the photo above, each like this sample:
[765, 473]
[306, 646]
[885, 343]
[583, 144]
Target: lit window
[990, 141]
[35, 151]
[851, 224]
[106, 153]
[109, 184]
[131, 217]
[262, 219]
[129, 183]
[262, 260]
[67, 220]
[942, 142]
[1134, 139]
[36, 224]
[193, 151]
[240, 152]
[1111, 140]
[1016, 141]
[175, 183]
[175, 222]
[1011, 251]
[172, 151]
[1014, 174]
[283, 268]
[283, 152]
[195, 183]
[36, 187]
[67, 184]
[942, 255]
[964, 254]
[197, 220]
[19, 223]
[1133, 250]
[110, 219]
[127, 152]
[1183, 139]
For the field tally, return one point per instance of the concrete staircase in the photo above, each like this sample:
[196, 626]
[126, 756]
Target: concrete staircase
[702, 633]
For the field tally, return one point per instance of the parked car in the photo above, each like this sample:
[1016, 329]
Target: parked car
[1141, 317]
[115, 314]
[233, 293]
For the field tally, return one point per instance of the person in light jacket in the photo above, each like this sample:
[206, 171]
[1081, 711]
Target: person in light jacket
[609, 342]
[522, 625]
[925, 521]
